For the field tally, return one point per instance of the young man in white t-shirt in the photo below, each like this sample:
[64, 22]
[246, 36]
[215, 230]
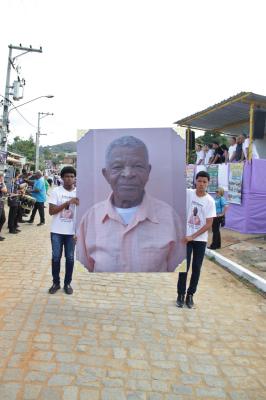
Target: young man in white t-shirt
[200, 213]
[62, 206]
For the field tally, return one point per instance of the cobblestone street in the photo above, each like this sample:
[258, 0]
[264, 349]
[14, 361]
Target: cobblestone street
[120, 336]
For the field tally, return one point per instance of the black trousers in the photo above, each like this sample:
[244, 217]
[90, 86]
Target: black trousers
[2, 217]
[40, 207]
[198, 250]
[20, 214]
[216, 235]
[12, 218]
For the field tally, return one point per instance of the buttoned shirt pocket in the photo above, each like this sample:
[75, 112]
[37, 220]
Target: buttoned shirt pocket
[154, 258]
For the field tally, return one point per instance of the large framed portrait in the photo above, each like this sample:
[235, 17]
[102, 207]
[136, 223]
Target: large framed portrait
[132, 191]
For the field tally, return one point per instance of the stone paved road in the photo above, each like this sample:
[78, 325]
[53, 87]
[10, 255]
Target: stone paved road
[121, 337]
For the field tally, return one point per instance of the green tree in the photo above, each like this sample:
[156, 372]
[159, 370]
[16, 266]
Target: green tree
[210, 136]
[47, 154]
[25, 147]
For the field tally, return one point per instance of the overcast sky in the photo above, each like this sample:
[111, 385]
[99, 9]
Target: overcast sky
[130, 63]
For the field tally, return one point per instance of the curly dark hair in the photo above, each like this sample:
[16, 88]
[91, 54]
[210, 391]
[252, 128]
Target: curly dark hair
[68, 170]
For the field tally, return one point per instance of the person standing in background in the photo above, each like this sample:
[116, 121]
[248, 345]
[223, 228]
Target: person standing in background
[239, 156]
[221, 207]
[231, 150]
[14, 205]
[200, 154]
[225, 153]
[208, 153]
[39, 193]
[217, 155]
[3, 191]
[46, 184]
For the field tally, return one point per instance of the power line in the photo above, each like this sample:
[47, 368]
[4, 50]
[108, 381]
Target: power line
[25, 119]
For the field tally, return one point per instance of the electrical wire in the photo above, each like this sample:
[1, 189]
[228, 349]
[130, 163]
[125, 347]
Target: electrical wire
[25, 119]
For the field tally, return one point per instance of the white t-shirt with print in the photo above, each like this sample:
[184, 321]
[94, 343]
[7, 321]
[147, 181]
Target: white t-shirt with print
[63, 222]
[198, 210]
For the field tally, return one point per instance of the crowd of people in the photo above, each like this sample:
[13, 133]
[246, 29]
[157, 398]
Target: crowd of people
[215, 153]
[25, 195]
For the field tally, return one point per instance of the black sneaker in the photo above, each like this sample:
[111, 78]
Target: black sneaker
[29, 221]
[68, 289]
[189, 301]
[2, 238]
[180, 300]
[54, 288]
[13, 232]
[40, 224]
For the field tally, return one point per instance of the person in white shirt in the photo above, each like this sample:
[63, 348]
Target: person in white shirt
[232, 149]
[200, 213]
[209, 151]
[246, 149]
[200, 154]
[62, 206]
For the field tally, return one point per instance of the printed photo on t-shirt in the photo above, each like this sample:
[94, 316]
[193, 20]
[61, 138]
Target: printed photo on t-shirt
[67, 214]
[196, 216]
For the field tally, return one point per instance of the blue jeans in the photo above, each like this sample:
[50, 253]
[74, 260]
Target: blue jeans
[58, 242]
[198, 250]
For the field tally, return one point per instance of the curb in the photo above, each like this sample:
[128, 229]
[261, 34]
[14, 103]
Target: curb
[254, 279]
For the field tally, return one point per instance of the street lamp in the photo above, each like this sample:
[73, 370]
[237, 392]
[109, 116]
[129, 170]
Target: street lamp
[38, 134]
[48, 96]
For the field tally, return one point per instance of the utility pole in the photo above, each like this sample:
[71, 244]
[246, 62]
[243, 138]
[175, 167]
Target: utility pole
[38, 134]
[4, 130]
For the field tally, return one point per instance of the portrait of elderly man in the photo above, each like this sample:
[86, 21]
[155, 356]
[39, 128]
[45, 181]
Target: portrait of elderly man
[130, 231]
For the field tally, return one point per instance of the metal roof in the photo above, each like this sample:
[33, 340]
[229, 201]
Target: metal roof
[229, 116]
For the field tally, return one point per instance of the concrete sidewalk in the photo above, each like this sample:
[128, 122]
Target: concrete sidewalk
[120, 336]
[247, 250]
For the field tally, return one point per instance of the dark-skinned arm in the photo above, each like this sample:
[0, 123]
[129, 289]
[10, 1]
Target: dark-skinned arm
[205, 228]
[53, 209]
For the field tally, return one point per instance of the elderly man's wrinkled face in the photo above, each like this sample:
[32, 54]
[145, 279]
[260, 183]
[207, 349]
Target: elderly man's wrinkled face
[127, 173]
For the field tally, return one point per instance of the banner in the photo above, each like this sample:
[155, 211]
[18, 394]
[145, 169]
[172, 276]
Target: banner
[213, 172]
[190, 171]
[132, 192]
[223, 176]
[235, 183]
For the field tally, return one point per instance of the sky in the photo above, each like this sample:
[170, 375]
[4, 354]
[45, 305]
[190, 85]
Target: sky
[125, 63]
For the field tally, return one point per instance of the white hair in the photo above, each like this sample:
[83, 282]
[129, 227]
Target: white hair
[125, 141]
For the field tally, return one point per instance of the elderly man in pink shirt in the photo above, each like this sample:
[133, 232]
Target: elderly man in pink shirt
[131, 231]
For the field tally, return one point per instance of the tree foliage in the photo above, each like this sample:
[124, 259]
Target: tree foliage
[25, 147]
[211, 136]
